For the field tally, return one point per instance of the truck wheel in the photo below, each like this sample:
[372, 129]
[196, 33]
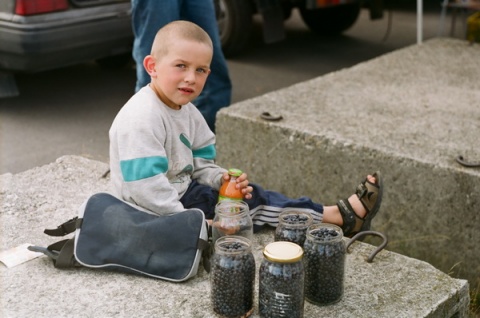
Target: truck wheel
[331, 20]
[234, 18]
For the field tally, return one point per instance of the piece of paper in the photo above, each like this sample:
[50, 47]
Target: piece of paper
[18, 255]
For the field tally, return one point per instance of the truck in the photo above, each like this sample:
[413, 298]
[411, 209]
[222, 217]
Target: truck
[324, 17]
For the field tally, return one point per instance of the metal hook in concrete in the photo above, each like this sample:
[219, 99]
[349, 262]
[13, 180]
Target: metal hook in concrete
[465, 163]
[269, 117]
[377, 250]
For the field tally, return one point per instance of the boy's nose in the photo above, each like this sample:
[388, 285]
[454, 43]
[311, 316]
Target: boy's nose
[189, 78]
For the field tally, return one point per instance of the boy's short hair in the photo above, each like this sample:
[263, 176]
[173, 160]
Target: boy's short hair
[178, 29]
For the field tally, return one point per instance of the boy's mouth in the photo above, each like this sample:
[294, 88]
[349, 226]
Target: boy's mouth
[186, 90]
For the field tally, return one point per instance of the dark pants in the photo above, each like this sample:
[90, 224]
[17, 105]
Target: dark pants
[265, 206]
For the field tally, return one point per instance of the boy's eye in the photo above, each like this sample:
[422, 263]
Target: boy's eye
[201, 70]
[181, 65]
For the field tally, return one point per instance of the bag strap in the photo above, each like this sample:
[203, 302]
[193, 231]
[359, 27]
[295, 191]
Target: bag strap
[64, 251]
[61, 252]
[205, 247]
[65, 228]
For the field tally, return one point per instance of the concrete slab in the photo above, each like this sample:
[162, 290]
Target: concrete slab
[392, 286]
[409, 114]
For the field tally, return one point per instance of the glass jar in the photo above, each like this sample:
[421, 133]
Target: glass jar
[292, 226]
[324, 262]
[232, 218]
[232, 277]
[228, 190]
[281, 281]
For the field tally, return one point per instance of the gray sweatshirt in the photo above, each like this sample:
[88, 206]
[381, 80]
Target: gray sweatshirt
[156, 151]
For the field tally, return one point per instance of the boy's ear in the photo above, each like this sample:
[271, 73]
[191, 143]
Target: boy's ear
[149, 65]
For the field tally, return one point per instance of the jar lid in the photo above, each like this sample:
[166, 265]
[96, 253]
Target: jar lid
[235, 172]
[283, 252]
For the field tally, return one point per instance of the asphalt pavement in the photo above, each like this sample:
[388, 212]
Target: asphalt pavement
[69, 111]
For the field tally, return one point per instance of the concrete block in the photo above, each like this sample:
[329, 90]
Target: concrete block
[409, 114]
[391, 286]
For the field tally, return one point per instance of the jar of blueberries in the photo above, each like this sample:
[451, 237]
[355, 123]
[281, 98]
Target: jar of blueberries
[232, 277]
[324, 262]
[292, 226]
[281, 281]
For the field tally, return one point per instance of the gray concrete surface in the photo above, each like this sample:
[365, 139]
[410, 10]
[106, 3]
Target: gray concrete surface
[409, 114]
[43, 197]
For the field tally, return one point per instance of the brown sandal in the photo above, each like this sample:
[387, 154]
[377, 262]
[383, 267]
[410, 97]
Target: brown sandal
[370, 195]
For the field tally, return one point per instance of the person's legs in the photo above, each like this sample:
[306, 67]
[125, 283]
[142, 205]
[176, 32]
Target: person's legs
[265, 206]
[351, 214]
[147, 18]
[217, 92]
[201, 197]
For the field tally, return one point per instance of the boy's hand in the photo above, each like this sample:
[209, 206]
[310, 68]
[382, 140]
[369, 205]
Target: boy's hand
[242, 183]
[226, 229]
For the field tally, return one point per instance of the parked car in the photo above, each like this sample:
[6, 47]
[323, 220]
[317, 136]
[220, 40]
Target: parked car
[38, 35]
[325, 17]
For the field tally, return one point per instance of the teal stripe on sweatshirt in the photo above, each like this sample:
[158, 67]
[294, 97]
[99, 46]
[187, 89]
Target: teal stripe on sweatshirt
[209, 152]
[142, 168]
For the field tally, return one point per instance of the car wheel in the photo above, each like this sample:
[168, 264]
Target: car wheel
[234, 18]
[115, 61]
[331, 20]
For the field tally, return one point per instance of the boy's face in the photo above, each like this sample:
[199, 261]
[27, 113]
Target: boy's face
[179, 76]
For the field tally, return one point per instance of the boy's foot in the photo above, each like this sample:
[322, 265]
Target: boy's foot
[359, 210]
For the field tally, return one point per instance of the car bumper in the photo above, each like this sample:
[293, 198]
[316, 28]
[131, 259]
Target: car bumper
[41, 44]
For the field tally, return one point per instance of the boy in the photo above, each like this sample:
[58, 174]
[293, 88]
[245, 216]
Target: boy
[162, 152]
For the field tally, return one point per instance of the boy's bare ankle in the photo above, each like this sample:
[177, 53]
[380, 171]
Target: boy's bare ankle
[357, 206]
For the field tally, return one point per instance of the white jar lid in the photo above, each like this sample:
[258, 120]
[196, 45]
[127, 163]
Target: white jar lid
[283, 252]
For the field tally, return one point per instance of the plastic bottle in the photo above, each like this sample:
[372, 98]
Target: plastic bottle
[228, 190]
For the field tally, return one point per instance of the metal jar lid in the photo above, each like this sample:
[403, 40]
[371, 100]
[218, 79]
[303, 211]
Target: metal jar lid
[283, 252]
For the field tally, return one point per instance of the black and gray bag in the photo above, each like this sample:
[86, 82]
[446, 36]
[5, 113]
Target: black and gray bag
[112, 234]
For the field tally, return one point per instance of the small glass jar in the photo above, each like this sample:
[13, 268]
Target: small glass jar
[292, 226]
[232, 218]
[232, 277]
[281, 281]
[324, 262]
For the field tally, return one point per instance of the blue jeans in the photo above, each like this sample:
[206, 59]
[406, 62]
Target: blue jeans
[148, 16]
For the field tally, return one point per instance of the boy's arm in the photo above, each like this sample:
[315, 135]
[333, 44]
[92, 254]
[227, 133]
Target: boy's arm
[206, 171]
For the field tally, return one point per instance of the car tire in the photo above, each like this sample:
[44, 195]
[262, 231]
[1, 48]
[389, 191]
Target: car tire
[115, 61]
[331, 20]
[234, 18]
